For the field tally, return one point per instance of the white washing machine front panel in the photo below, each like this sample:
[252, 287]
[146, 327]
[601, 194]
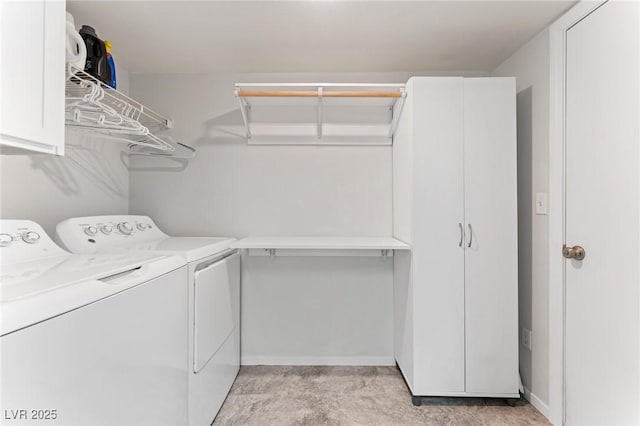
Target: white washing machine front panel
[39, 280]
[214, 297]
[75, 349]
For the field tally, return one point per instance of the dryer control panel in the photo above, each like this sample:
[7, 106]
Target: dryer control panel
[95, 233]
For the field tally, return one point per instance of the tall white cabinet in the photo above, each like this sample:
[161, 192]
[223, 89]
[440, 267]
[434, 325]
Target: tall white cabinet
[455, 202]
[32, 61]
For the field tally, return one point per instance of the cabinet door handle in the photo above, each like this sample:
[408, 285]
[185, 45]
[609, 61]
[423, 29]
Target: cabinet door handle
[470, 236]
[461, 234]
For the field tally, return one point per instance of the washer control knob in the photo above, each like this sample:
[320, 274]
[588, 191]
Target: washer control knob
[107, 229]
[125, 228]
[5, 240]
[90, 230]
[141, 226]
[31, 237]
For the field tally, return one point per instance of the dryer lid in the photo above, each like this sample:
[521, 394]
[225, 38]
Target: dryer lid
[133, 232]
[191, 248]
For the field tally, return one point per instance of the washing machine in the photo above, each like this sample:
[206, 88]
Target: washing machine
[214, 296]
[90, 339]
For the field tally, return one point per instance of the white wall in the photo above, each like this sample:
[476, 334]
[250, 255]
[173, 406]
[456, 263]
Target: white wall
[295, 310]
[317, 310]
[236, 189]
[91, 179]
[530, 66]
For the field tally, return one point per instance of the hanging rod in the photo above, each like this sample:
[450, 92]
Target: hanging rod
[314, 94]
[181, 151]
[395, 93]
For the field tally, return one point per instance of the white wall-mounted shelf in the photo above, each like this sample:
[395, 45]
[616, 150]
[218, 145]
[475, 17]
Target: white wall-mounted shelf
[320, 113]
[321, 246]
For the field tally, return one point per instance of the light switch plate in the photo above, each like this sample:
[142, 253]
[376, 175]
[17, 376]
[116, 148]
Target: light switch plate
[541, 203]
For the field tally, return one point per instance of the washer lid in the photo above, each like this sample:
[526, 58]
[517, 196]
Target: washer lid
[31, 292]
[26, 279]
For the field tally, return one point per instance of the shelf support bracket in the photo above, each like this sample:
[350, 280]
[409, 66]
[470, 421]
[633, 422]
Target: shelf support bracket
[319, 112]
[244, 109]
[396, 111]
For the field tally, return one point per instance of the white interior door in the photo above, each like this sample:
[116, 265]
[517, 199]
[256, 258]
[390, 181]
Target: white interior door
[491, 257]
[601, 215]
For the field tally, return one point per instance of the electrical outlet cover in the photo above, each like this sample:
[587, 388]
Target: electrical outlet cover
[525, 338]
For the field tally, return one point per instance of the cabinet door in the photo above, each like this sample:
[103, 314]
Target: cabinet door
[438, 254]
[32, 74]
[491, 275]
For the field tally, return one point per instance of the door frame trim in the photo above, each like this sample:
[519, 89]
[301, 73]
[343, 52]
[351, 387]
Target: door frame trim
[557, 114]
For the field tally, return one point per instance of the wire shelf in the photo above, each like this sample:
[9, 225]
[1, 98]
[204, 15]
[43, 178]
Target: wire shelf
[93, 105]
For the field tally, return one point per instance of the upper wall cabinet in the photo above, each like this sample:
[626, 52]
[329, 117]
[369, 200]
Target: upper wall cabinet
[32, 73]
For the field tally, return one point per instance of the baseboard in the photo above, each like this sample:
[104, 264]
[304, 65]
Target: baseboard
[537, 402]
[339, 360]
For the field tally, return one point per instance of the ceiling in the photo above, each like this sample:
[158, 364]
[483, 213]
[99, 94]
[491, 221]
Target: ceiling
[300, 36]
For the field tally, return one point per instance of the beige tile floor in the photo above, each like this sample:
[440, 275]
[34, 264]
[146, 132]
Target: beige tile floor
[284, 396]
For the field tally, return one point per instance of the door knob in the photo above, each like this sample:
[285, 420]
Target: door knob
[575, 252]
